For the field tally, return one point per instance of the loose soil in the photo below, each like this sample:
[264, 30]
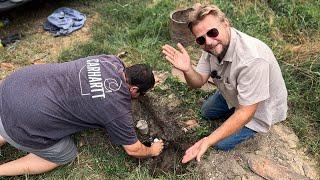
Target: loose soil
[278, 149]
[163, 124]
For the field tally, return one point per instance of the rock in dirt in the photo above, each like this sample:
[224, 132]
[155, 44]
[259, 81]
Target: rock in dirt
[7, 66]
[271, 170]
[309, 172]
[272, 155]
[160, 77]
[191, 124]
[38, 61]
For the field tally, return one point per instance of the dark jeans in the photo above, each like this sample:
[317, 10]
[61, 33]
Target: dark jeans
[216, 107]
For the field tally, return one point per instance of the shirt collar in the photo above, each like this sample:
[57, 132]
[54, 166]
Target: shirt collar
[232, 44]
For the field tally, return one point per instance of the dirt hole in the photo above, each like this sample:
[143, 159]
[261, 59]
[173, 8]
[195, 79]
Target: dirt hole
[162, 124]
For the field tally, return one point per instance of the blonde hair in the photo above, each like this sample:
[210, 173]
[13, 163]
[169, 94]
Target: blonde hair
[199, 12]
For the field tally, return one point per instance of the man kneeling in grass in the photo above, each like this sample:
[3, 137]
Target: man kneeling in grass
[251, 94]
[42, 105]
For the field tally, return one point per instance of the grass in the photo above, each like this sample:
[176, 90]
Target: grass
[140, 27]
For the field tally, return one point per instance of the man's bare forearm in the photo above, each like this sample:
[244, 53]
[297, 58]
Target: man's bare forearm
[138, 150]
[233, 124]
[143, 152]
[193, 78]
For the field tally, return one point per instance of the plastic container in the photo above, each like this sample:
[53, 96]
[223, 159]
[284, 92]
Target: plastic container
[179, 31]
[142, 125]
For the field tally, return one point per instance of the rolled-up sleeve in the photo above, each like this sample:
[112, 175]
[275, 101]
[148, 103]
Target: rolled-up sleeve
[203, 65]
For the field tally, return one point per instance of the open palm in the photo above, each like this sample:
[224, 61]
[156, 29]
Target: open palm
[196, 151]
[178, 58]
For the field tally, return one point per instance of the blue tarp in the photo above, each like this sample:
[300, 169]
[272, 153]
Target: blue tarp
[64, 21]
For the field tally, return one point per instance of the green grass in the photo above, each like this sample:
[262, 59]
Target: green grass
[140, 27]
[134, 28]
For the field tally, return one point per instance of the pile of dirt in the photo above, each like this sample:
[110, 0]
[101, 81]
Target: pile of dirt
[273, 155]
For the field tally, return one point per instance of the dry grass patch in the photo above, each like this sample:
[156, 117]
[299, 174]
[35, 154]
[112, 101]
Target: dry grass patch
[38, 46]
[303, 52]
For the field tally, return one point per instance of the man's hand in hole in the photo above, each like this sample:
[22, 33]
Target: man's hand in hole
[157, 147]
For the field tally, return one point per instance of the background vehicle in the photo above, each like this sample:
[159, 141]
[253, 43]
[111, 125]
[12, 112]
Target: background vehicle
[9, 4]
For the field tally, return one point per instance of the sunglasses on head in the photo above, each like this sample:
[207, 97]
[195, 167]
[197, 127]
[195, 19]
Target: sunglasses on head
[211, 33]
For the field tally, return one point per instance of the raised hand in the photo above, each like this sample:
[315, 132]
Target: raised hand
[178, 58]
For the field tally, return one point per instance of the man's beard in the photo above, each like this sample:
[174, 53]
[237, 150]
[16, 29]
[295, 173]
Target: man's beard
[221, 55]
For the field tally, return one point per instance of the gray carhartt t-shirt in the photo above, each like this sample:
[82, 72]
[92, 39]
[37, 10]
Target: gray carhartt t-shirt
[41, 104]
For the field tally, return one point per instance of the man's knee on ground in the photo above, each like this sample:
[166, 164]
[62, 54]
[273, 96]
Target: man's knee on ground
[224, 146]
[205, 112]
[33, 164]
